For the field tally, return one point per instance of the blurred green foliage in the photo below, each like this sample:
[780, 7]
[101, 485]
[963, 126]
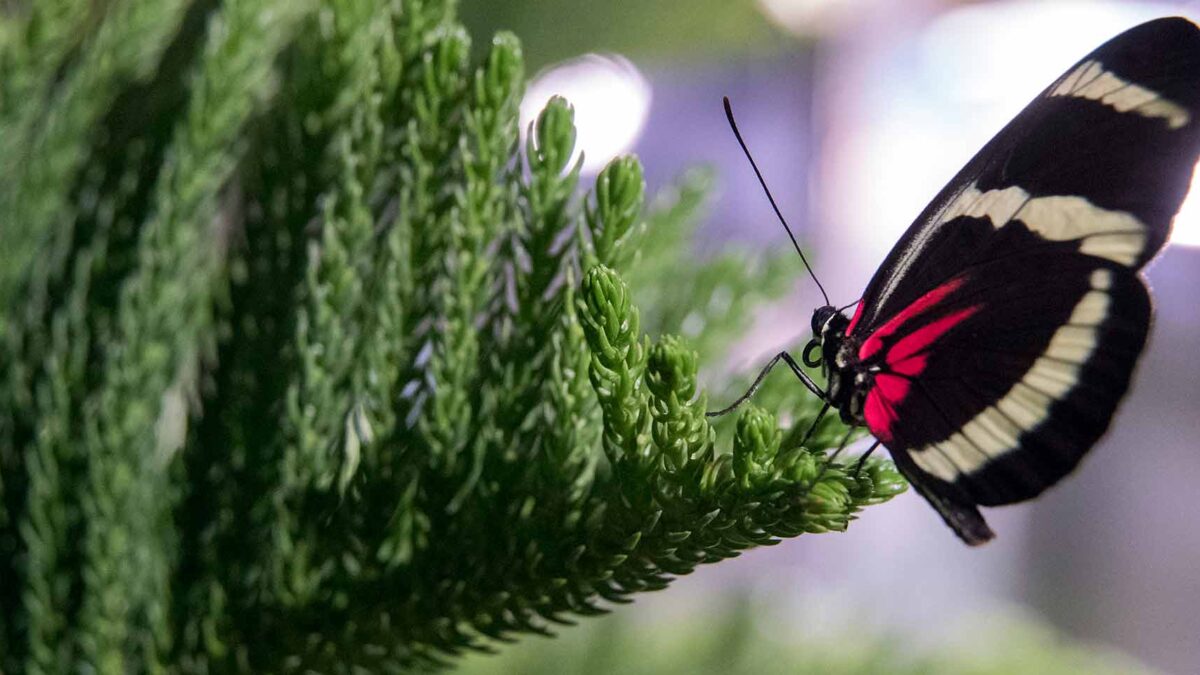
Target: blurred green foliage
[736, 636]
[650, 30]
[311, 364]
[709, 300]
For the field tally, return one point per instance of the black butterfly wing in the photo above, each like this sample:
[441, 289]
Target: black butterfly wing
[1007, 375]
[1005, 324]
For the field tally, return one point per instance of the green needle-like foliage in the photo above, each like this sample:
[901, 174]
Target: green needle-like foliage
[312, 361]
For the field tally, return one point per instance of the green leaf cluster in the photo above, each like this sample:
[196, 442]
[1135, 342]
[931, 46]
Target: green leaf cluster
[309, 362]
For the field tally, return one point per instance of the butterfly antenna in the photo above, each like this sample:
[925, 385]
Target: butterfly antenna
[842, 309]
[738, 134]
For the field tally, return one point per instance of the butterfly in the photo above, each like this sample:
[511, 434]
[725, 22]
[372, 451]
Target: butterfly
[993, 345]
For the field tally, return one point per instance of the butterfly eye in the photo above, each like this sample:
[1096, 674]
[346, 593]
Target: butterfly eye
[812, 353]
[820, 318]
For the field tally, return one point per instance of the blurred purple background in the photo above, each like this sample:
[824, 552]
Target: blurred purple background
[856, 125]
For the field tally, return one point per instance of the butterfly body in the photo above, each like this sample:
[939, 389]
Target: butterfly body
[848, 379]
[992, 347]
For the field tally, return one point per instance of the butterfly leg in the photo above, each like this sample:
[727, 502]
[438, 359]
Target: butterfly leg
[812, 428]
[833, 456]
[841, 447]
[863, 460]
[796, 370]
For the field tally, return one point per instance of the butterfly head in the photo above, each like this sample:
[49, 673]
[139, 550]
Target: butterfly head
[822, 318]
[828, 326]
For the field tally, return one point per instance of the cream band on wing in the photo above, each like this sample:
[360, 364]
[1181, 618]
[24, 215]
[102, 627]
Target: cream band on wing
[997, 429]
[1113, 235]
[1092, 81]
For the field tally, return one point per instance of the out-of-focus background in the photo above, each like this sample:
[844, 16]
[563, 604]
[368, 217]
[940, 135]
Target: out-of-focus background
[858, 112]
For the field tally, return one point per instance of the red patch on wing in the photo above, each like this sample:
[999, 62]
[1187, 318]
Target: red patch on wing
[879, 412]
[906, 359]
[857, 315]
[911, 347]
[874, 342]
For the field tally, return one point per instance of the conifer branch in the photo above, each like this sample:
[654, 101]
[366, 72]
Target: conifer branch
[125, 47]
[163, 325]
[321, 369]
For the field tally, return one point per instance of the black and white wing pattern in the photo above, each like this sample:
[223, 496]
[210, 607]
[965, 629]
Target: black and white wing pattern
[1003, 328]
